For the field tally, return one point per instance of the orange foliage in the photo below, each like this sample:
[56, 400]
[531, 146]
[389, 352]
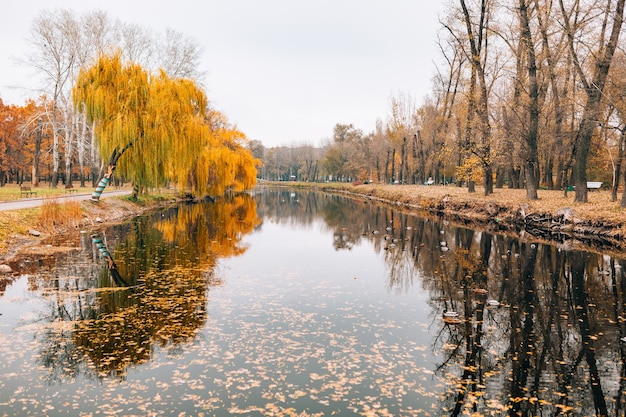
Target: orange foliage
[19, 126]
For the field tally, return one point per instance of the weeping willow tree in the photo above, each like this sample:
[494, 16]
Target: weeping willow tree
[226, 162]
[162, 127]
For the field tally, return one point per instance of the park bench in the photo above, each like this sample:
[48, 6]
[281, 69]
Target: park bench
[70, 189]
[594, 185]
[26, 191]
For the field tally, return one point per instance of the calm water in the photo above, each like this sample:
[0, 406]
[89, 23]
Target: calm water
[298, 303]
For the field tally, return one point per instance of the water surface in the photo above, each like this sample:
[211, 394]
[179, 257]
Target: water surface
[299, 303]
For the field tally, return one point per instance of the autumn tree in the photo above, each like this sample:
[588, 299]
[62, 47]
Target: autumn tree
[403, 140]
[592, 68]
[346, 155]
[225, 162]
[614, 123]
[165, 127]
[531, 133]
[557, 73]
[12, 158]
[475, 46]
[64, 42]
[54, 58]
[35, 133]
[445, 115]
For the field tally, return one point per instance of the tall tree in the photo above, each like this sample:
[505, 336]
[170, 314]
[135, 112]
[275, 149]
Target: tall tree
[164, 127]
[479, 99]
[12, 158]
[225, 162]
[53, 58]
[158, 118]
[532, 131]
[593, 85]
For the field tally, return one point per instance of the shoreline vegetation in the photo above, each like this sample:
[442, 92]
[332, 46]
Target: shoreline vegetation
[30, 231]
[596, 225]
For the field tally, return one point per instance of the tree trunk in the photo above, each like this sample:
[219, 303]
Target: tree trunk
[618, 165]
[106, 178]
[387, 176]
[581, 304]
[594, 90]
[37, 154]
[111, 265]
[557, 148]
[401, 177]
[483, 151]
[393, 166]
[532, 157]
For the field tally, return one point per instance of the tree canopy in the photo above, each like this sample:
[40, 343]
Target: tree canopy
[164, 127]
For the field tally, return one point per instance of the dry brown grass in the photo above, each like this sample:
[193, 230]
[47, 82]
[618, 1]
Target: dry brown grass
[58, 216]
[54, 218]
[598, 208]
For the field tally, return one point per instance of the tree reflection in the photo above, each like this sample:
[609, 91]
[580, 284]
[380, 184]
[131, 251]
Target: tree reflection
[588, 336]
[537, 333]
[538, 329]
[166, 261]
[539, 326]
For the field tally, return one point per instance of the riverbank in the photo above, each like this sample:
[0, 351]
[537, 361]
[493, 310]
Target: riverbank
[599, 223]
[26, 230]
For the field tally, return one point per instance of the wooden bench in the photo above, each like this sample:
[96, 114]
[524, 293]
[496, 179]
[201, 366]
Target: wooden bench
[26, 191]
[70, 189]
[594, 185]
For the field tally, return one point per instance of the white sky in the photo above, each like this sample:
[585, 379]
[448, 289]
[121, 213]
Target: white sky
[284, 71]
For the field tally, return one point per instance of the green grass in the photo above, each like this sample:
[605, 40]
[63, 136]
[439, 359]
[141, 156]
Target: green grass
[14, 223]
[11, 192]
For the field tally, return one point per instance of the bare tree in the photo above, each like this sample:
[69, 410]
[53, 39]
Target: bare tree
[477, 40]
[53, 59]
[532, 131]
[179, 55]
[593, 84]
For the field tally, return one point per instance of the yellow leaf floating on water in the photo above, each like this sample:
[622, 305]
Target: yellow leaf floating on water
[564, 408]
[297, 394]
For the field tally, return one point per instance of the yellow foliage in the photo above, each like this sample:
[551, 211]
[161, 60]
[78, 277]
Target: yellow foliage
[470, 170]
[216, 232]
[226, 163]
[164, 128]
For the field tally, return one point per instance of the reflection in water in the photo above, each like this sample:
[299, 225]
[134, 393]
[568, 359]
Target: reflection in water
[152, 289]
[538, 329]
[465, 322]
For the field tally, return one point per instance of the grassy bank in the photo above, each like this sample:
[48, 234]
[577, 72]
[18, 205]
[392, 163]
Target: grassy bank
[599, 222]
[55, 217]
[599, 208]
[11, 192]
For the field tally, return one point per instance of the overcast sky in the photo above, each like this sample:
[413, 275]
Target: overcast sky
[284, 71]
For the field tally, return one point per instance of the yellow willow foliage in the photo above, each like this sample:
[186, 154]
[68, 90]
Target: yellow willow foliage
[158, 119]
[215, 231]
[225, 163]
[114, 98]
[177, 114]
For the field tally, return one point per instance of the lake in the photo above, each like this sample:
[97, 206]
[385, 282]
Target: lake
[288, 302]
